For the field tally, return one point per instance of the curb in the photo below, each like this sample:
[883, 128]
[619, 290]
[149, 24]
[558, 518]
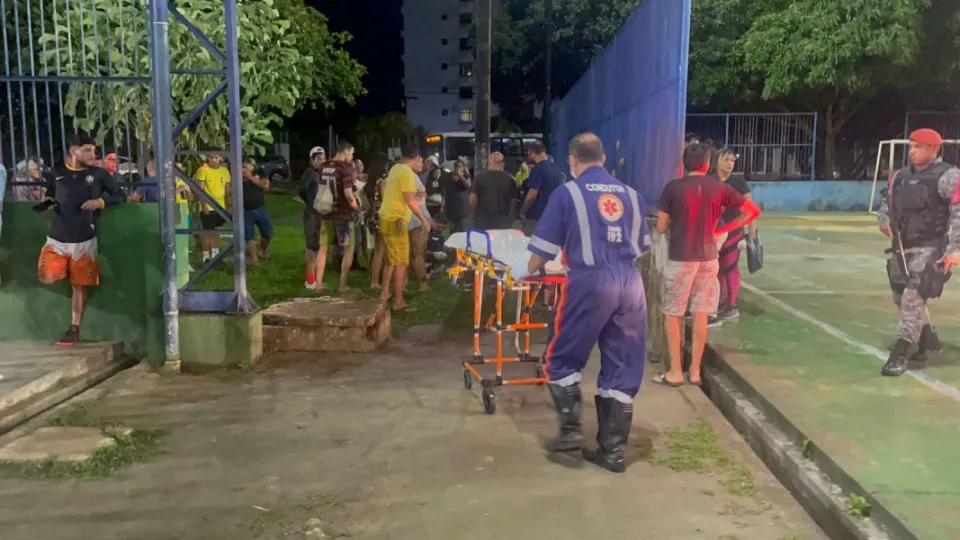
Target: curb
[818, 483]
[60, 385]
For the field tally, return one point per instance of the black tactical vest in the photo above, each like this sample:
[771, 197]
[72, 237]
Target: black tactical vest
[919, 213]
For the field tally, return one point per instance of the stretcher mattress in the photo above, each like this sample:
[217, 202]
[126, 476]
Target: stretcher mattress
[509, 247]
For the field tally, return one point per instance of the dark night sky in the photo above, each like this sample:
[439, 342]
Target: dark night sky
[376, 27]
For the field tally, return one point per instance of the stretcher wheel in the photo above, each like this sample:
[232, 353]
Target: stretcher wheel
[467, 379]
[489, 403]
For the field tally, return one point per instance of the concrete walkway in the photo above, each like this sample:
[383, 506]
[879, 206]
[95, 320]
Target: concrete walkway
[389, 445]
[34, 373]
[816, 327]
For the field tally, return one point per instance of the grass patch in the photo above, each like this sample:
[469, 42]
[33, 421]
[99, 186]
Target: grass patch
[696, 449]
[130, 446]
[859, 506]
[282, 277]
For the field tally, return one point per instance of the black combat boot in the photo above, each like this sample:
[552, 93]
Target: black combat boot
[929, 343]
[567, 401]
[897, 363]
[613, 429]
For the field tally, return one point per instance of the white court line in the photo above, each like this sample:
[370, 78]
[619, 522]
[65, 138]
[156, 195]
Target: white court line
[826, 292]
[917, 374]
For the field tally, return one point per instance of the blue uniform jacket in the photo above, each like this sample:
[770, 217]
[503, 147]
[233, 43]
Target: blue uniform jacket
[595, 221]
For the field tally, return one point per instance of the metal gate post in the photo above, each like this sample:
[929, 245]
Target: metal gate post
[244, 303]
[163, 157]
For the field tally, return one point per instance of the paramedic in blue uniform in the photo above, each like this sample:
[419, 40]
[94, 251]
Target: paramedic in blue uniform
[596, 223]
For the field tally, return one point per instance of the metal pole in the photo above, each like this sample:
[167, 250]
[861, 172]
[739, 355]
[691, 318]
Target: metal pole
[244, 304]
[482, 117]
[548, 73]
[163, 158]
[813, 150]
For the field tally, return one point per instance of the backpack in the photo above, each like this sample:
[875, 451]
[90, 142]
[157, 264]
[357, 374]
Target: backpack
[325, 199]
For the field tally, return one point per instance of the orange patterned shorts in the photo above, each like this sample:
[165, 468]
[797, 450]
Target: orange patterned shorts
[59, 260]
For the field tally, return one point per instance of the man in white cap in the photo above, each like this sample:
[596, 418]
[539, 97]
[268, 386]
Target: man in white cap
[312, 221]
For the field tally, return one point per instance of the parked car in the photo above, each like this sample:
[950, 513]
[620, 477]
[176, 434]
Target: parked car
[276, 168]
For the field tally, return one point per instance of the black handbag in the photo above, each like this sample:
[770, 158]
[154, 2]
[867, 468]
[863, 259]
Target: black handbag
[754, 254]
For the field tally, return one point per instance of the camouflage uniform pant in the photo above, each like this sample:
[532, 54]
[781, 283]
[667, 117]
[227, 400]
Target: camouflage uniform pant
[913, 308]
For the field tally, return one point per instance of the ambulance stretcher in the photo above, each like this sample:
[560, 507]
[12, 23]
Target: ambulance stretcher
[502, 256]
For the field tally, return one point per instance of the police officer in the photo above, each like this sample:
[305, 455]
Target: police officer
[597, 223]
[921, 206]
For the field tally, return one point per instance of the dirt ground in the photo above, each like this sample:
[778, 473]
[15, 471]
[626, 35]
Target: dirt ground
[390, 446]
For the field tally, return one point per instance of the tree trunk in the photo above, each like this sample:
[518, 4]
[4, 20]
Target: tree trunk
[829, 144]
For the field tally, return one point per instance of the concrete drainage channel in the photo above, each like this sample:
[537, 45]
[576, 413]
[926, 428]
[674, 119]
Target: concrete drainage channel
[814, 479]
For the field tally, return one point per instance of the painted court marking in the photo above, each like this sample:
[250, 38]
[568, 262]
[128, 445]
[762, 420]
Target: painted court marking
[917, 374]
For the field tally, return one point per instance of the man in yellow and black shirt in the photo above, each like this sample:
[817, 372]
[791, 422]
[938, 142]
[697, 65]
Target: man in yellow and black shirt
[214, 178]
[76, 193]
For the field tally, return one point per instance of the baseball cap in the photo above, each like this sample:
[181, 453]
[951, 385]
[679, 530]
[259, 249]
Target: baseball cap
[317, 150]
[926, 136]
[434, 160]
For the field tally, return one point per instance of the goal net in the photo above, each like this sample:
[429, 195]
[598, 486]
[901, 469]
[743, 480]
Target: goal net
[892, 156]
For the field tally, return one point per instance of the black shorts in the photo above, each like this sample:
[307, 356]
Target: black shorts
[312, 223]
[211, 221]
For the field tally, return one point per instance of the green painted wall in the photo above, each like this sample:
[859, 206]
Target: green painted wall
[126, 305]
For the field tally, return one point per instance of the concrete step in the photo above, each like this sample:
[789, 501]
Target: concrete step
[326, 324]
[35, 376]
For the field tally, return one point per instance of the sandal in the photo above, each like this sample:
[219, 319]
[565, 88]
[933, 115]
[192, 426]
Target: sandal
[662, 381]
[691, 381]
[405, 309]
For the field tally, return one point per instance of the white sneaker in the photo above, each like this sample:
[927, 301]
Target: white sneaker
[310, 286]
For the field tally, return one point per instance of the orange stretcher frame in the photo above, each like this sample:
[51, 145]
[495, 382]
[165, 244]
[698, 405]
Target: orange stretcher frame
[528, 290]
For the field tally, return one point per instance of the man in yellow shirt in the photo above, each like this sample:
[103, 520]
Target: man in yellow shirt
[399, 205]
[214, 178]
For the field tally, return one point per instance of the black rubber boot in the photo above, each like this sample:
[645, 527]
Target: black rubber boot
[897, 363]
[613, 430]
[567, 401]
[929, 343]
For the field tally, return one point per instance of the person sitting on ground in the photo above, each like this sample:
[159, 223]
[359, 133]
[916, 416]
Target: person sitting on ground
[690, 208]
[492, 196]
[76, 194]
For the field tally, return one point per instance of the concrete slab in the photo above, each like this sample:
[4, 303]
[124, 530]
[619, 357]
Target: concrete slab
[388, 445]
[33, 370]
[56, 443]
[816, 325]
[326, 324]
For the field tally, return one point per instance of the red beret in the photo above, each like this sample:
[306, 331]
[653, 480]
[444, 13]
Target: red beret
[926, 136]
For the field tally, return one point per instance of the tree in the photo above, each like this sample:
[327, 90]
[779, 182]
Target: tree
[288, 60]
[832, 56]
[583, 29]
[376, 134]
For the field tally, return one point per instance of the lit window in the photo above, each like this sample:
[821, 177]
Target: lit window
[466, 116]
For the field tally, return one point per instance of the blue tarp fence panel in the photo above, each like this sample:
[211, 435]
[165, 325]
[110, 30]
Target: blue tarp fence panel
[634, 98]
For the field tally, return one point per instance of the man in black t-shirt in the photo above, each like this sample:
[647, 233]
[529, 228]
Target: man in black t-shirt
[492, 196]
[76, 193]
[255, 216]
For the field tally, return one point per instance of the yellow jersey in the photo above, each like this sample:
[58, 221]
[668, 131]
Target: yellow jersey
[214, 182]
[401, 180]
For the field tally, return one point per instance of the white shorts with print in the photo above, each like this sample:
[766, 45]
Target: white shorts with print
[693, 284]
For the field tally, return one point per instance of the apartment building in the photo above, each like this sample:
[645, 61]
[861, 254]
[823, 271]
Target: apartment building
[438, 59]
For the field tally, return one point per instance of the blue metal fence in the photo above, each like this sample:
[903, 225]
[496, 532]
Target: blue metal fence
[103, 67]
[634, 98]
[779, 146]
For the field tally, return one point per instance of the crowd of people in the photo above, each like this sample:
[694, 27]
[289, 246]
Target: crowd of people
[400, 212]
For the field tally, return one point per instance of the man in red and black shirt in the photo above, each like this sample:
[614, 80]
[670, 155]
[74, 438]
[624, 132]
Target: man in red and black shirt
[76, 193]
[690, 209]
[337, 227]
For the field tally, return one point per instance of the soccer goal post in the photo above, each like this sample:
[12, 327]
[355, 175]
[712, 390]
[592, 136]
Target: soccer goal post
[891, 156]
